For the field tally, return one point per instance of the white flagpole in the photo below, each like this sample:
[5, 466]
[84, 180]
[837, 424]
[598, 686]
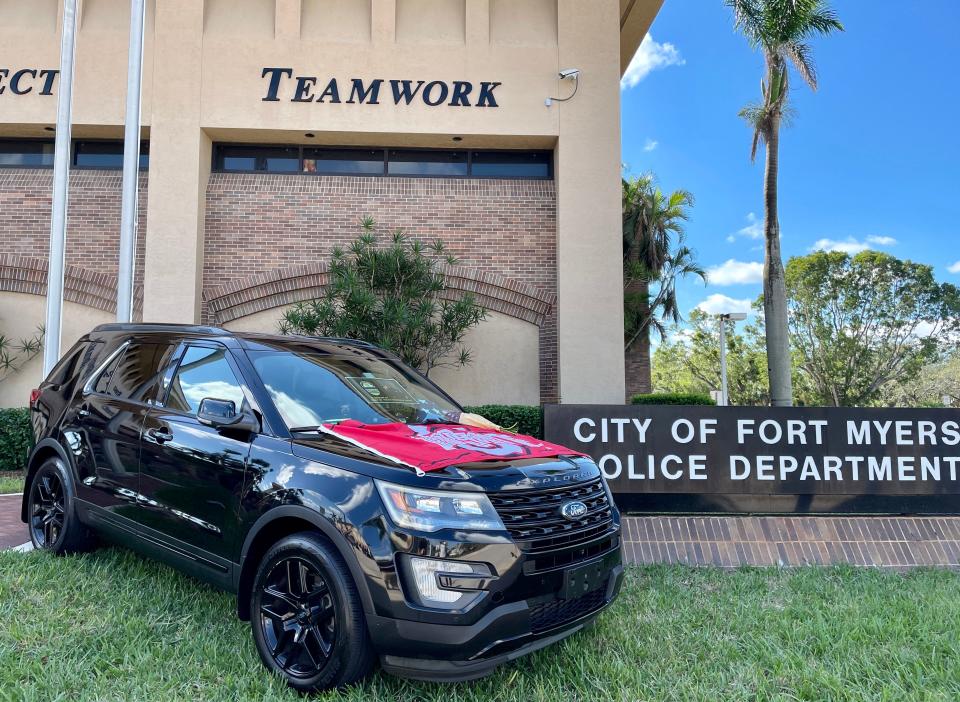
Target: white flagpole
[131, 165]
[61, 178]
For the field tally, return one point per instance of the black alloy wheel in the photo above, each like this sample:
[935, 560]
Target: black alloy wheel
[51, 517]
[307, 617]
[47, 515]
[298, 617]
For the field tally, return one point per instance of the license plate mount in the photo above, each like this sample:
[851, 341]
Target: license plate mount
[580, 580]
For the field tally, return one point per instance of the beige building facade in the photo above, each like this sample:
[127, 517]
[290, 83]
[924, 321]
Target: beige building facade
[272, 126]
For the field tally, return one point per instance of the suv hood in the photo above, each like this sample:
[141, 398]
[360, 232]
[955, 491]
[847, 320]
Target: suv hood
[485, 476]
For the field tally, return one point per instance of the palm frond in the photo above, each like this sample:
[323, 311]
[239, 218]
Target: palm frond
[823, 20]
[801, 56]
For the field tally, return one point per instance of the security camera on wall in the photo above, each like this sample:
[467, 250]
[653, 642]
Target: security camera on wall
[566, 73]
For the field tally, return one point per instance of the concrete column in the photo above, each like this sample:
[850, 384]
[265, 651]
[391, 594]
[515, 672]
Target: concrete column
[383, 21]
[478, 22]
[589, 244]
[286, 24]
[179, 168]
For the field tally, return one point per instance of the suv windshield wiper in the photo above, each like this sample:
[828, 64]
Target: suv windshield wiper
[314, 427]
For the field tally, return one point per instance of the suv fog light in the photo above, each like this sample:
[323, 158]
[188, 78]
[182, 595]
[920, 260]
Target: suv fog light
[425, 577]
[448, 583]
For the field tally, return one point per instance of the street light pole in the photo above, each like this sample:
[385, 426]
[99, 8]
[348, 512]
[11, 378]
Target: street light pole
[131, 165]
[61, 180]
[724, 318]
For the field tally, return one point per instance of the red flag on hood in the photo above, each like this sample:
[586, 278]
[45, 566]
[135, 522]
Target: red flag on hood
[428, 447]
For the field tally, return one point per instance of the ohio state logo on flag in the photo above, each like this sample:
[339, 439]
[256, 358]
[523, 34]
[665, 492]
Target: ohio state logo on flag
[429, 447]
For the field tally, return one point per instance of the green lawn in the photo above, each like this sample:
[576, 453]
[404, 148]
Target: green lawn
[111, 625]
[11, 481]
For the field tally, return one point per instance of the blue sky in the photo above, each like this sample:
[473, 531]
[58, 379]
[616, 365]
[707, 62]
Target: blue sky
[871, 159]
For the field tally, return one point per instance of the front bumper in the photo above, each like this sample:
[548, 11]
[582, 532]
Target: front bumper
[457, 653]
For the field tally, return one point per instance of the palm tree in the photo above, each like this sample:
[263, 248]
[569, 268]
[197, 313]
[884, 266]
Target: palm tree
[781, 29]
[651, 221]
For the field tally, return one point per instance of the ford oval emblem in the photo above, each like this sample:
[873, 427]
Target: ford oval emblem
[573, 510]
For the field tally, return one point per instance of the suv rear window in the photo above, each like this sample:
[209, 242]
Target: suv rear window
[136, 373]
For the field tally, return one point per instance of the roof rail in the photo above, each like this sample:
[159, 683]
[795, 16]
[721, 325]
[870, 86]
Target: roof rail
[306, 337]
[159, 327]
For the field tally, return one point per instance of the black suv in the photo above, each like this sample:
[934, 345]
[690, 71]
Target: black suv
[203, 448]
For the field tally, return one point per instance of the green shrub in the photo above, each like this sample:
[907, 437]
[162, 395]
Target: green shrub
[672, 398]
[16, 438]
[524, 419]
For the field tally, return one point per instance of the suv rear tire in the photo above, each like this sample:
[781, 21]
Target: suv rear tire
[51, 512]
[307, 617]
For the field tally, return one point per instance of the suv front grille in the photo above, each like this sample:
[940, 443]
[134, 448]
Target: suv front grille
[552, 614]
[534, 520]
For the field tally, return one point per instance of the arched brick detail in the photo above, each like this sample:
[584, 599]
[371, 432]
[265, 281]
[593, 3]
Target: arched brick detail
[25, 274]
[285, 286]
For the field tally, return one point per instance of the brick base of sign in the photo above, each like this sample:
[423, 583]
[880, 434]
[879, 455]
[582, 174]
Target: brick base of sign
[730, 542]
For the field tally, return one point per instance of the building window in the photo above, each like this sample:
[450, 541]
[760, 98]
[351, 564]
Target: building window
[258, 158]
[357, 161]
[105, 154]
[26, 153]
[344, 161]
[38, 153]
[451, 164]
[511, 164]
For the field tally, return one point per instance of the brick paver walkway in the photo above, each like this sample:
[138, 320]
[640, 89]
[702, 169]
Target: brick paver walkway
[13, 532]
[729, 542]
[893, 542]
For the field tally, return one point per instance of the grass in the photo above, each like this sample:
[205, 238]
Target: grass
[112, 626]
[11, 481]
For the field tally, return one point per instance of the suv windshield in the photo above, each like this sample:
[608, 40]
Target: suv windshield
[315, 386]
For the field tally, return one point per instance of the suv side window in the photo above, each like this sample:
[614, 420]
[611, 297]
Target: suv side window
[204, 372]
[138, 374]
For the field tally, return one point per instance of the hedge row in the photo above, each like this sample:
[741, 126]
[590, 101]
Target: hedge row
[522, 419]
[672, 398]
[16, 438]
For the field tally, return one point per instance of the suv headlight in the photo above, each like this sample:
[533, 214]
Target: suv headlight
[430, 510]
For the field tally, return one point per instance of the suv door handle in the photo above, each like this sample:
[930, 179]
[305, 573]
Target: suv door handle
[83, 412]
[160, 435]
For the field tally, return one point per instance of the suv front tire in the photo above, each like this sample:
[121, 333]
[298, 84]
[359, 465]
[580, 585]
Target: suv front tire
[307, 617]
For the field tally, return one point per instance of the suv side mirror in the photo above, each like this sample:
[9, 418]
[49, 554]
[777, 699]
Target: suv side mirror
[222, 414]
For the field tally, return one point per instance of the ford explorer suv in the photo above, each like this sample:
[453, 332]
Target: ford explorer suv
[235, 457]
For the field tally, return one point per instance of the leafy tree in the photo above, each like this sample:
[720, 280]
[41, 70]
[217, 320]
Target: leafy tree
[15, 354]
[391, 296]
[653, 254]
[861, 324]
[936, 381]
[690, 361]
[781, 29]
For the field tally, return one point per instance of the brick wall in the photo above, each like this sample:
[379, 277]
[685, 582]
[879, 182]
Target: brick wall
[255, 223]
[93, 217]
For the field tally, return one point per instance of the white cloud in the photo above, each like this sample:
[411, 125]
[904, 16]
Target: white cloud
[651, 144]
[753, 230]
[852, 246]
[733, 272]
[955, 268]
[719, 304]
[650, 56]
